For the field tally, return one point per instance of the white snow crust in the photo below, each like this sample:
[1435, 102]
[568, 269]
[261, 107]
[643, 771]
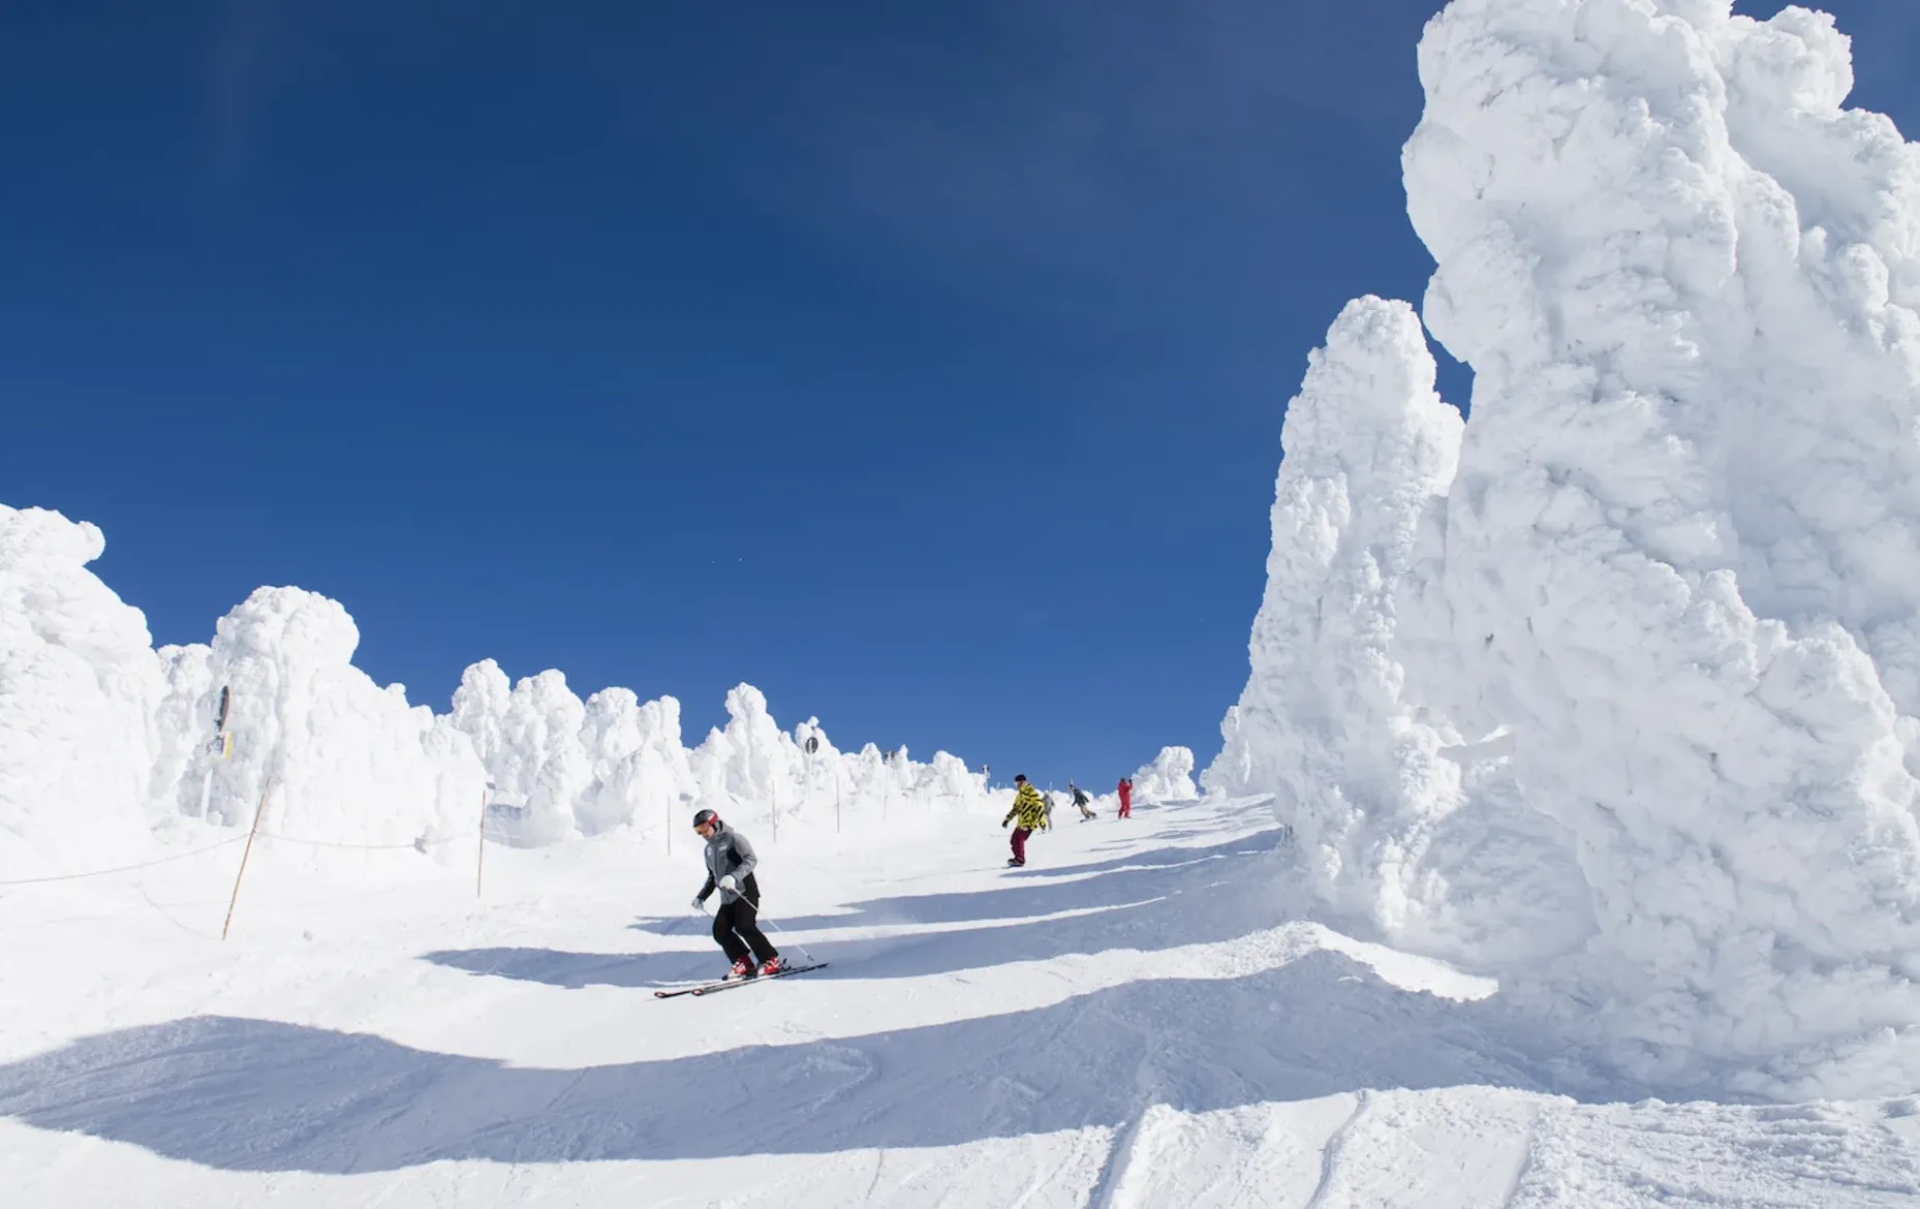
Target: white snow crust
[1612, 689]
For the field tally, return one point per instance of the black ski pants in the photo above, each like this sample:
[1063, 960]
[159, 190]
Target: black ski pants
[736, 926]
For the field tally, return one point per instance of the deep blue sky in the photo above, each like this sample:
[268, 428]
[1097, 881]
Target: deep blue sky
[920, 363]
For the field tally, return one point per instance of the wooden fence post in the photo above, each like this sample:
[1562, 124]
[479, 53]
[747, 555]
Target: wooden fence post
[480, 863]
[245, 853]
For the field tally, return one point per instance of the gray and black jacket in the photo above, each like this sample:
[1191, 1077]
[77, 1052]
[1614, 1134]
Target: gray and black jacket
[729, 852]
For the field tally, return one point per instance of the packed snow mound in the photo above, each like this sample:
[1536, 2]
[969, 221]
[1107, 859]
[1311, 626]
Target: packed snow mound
[1398, 818]
[335, 757]
[78, 689]
[564, 767]
[638, 762]
[1168, 779]
[1369, 449]
[532, 739]
[1667, 606]
[1681, 546]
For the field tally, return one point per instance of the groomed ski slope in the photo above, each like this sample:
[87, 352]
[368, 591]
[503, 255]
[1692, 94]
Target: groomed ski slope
[1140, 1017]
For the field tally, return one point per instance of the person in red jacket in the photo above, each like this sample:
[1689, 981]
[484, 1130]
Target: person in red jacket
[1126, 797]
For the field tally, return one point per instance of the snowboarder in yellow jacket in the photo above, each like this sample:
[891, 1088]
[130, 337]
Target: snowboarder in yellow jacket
[1032, 813]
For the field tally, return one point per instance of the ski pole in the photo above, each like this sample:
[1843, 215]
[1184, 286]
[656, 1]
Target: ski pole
[759, 918]
[796, 944]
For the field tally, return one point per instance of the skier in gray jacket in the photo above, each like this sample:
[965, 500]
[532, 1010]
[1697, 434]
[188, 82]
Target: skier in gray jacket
[730, 864]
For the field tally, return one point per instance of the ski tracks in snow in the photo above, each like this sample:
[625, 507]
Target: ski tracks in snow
[1124, 1033]
[1526, 1160]
[1124, 1143]
[1330, 1153]
[1489, 1148]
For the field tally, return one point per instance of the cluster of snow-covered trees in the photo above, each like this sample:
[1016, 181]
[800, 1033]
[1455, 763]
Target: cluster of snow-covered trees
[104, 740]
[1614, 687]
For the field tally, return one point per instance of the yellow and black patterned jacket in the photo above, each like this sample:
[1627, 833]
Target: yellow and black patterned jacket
[1027, 805]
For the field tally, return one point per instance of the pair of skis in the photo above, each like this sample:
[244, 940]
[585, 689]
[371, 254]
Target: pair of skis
[708, 988]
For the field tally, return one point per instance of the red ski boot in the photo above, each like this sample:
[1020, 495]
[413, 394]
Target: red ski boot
[741, 969]
[773, 966]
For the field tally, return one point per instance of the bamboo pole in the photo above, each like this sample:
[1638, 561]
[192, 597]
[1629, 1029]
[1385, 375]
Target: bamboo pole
[480, 862]
[245, 853]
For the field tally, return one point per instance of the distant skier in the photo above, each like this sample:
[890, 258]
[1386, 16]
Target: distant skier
[1081, 800]
[730, 864]
[1046, 811]
[1032, 812]
[1126, 797]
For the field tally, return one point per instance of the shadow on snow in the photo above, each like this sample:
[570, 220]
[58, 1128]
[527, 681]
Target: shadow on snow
[254, 1095]
[1143, 901]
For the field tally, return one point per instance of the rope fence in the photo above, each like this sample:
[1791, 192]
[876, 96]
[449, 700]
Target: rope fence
[256, 832]
[412, 846]
[221, 748]
[419, 845]
[165, 860]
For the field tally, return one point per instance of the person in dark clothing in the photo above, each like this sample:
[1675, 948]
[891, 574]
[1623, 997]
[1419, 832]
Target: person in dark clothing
[730, 865]
[1081, 800]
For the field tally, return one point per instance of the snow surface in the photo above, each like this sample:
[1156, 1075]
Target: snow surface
[1612, 689]
[1138, 1018]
